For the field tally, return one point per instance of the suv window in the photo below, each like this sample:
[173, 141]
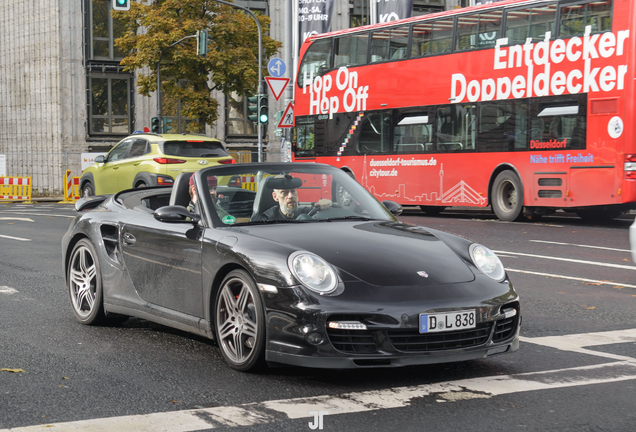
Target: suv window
[119, 151]
[194, 149]
[138, 148]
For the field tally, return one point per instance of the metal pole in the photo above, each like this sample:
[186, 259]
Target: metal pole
[159, 91]
[260, 74]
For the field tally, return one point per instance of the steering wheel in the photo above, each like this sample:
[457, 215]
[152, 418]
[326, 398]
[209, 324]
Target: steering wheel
[313, 211]
[316, 209]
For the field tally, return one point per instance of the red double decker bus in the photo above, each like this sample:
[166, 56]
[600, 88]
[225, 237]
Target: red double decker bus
[523, 105]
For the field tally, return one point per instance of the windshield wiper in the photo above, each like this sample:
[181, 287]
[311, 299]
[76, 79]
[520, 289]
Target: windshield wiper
[350, 217]
[265, 222]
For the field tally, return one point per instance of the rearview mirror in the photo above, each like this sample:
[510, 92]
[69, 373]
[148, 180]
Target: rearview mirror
[99, 159]
[175, 214]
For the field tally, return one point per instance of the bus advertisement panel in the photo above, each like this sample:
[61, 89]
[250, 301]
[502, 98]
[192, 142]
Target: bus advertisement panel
[526, 106]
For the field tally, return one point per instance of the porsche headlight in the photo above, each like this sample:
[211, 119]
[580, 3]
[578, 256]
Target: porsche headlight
[487, 262]
[313, 272]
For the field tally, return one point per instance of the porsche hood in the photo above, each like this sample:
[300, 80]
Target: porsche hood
[378, 253]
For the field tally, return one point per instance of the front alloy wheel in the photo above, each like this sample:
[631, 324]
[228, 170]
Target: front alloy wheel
[240, 322]
[85, 284]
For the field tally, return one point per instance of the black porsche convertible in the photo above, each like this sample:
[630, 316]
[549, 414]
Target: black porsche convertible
[288, 263]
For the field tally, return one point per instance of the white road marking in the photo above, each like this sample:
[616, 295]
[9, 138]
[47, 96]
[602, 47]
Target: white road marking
[580, 245]
[14, 238]
[573, 278]
[577, 342]
[18, 219]
[37, 214]
[7, 290]
[596, 263]
[356, 402]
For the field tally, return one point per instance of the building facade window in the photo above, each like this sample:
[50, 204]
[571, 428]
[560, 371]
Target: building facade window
[238, 124]
[109, 90]
[171, 110]
[104, 29]
[109, 104]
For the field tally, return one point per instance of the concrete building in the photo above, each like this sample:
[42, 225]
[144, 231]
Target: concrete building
[63, 93]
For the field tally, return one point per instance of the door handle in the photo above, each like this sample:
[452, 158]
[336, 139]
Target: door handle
[115, 167]
[129, 239]
[137, 163]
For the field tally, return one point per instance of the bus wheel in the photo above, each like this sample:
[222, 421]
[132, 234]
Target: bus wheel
[507, 196]
[432, 210]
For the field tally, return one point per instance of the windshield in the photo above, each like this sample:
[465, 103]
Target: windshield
[261, 194]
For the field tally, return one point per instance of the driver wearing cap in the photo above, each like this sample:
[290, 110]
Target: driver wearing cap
[193, 207]
[285, 194]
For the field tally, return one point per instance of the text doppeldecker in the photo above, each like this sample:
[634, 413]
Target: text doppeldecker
[556, 67]
[398, 162]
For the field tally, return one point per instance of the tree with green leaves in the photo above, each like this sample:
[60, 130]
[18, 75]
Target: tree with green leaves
[231, 63]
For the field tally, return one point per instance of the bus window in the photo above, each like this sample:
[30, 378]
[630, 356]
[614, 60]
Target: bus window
[442, 37]
[413, 134]
[503, 126]
[532, 22]
[456, 128]
[478, 30]
[575, 18]
[304, 138]
[317, 61]
[558, 125]
[351, 50]
[375, 133]
[389, 44]
[421, 44]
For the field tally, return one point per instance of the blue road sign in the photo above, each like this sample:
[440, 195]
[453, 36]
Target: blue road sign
[276, 67]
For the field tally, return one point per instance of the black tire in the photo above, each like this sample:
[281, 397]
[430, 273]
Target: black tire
[88, 189]
[432, 210]
[84, 284]
[141, 184]
[240, 322]
[506, 196]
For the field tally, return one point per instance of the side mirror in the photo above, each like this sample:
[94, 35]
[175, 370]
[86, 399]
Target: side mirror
[99, 159]
[394, 208]
[175, 214]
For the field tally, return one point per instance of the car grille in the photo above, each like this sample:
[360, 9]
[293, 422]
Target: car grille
[505, 328]
[411, 340]
[352, 341]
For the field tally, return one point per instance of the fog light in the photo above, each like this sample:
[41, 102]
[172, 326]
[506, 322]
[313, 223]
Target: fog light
[509, 313]
[347, 325]
[314, 338]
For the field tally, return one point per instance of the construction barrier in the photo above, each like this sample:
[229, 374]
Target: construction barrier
[71, 187]
[15, 189]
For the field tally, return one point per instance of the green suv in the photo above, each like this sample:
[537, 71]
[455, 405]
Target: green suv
[148, 159]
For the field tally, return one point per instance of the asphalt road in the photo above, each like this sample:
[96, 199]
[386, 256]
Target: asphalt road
[575, 370]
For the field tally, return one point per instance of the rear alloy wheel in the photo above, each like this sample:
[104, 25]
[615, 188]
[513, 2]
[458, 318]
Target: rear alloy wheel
[240, 322]
[84, 281]
[507, 196]
[88, 190]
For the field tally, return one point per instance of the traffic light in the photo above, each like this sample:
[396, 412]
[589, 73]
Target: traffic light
[121, 5]
[166, 125]
[263, 115]
[154, 125]
[202, 42]
[252, 108]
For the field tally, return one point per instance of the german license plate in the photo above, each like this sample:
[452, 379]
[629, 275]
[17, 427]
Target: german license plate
[432, 323]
